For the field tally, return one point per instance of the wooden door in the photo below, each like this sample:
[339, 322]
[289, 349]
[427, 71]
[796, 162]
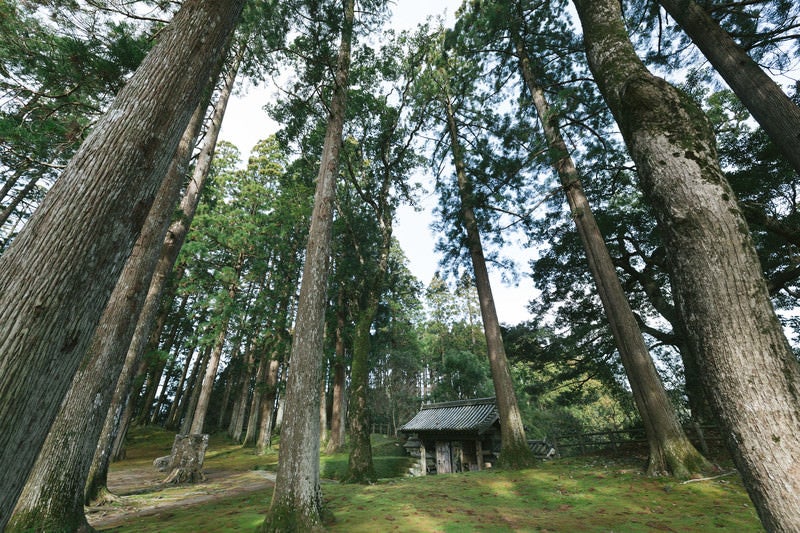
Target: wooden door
[443, 464]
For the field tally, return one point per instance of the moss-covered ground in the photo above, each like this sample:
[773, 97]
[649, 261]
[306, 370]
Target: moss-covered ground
[596, 493]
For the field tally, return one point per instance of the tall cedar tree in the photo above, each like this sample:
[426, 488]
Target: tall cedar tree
[515, 452]
[172, 243]
[376, 167]
[297, 498]
[670, 449]
[746, 361]
[53, 495]
[57, 276]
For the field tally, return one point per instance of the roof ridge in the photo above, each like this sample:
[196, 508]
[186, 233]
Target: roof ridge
[460, 403]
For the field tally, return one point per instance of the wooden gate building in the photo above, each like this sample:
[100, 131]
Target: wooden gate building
[454, 436]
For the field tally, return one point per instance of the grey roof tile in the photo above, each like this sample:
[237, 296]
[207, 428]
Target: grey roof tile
[464, 415]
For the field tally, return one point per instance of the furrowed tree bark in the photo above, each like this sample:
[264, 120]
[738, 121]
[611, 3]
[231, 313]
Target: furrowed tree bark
[297, 498]
[53, 495]
[770, 106]
[670, 449]
[515, 451]
[172, 243]
[747, 364]
[58, 274]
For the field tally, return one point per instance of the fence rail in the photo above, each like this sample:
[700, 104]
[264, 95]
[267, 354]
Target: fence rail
[581, 443]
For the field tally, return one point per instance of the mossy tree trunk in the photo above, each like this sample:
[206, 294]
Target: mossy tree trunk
[54, 493]
[297, 499]
[670, 449]
[360, 468]
[57, 276]
[746, 362]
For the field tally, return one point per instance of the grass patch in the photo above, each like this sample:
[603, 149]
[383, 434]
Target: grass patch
[388, 457]
[571, 494]
[236, 513]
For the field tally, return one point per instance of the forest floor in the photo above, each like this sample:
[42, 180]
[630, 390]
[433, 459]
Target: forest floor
[590, 493]
[230, 471]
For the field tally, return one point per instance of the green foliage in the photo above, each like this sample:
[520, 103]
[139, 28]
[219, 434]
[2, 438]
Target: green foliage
[764, 28]
[564, 391]
[453, 343]
[61, 66]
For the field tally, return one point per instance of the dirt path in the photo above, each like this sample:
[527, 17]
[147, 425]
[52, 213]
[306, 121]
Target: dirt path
[141, 493]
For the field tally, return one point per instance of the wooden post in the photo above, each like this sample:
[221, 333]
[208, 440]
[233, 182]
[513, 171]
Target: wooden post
[479, 454]
[423, 457]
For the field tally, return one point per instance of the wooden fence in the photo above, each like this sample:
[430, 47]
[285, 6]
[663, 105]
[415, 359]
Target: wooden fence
[582, 443]
[382, 429]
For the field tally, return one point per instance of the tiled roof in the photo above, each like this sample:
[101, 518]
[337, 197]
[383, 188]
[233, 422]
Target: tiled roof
[474, 416]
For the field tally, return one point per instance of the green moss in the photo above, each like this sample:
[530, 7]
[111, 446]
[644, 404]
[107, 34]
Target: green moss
[287, 518]
[36, 521]
[516, 457]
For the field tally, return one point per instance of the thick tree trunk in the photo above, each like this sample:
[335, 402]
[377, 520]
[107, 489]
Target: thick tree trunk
[769, 105]
[172, 243]
[186, 459]
[746, 361]
[58, 274]
[360, 468]
[670, 449]
[515, 452]
[337, 438]
[54, 493]
[297, 498]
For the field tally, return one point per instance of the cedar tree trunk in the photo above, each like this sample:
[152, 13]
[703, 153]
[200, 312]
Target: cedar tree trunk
[670, 449]
[53, 495]
[515, 452]
[748, 366]
[297, 498]
[58, 274]
[769, 105]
